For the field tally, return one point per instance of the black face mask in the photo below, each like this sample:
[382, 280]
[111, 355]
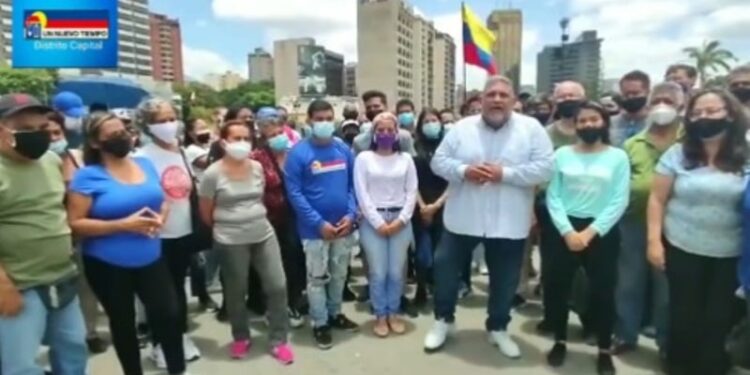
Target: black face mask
[118, 147]
[568, 108]
[742, 94]
[590, 135]
[203, 138]
[542, 117]
[32, 144]
[706, 128]
[633, 105]
[371, 114]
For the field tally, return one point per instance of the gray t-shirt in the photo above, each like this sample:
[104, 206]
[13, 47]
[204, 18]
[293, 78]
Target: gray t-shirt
[703, 215]
[239, 213]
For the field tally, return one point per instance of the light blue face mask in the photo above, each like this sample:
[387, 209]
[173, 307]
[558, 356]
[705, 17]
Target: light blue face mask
[279, 143]
[432, 130]
[323, 129]
[406, 119]
[59, 147]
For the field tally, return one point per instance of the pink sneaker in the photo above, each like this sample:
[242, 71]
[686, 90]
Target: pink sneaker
[283, 353]
[239, 349]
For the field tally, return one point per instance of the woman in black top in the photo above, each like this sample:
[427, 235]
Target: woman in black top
[428, 221]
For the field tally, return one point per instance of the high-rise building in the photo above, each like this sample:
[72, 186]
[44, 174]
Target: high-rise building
[405, 63]
[134, 32]
[303, 68]
[226, 81]
[350, 79]
[579, 61]
[166, 49]
[260, 66]
[508, 28]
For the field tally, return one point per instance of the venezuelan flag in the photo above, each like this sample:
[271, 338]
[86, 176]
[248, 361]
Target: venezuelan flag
[478, 42]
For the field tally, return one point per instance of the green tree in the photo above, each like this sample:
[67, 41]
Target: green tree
[196, 94]
[248, 94]
[710, 56]
[36, 82]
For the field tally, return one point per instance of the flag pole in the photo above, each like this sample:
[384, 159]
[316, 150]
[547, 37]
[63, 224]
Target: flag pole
[463, 48]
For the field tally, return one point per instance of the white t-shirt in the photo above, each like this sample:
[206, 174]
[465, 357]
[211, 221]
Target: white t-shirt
[385, 182]
[175, 181]
[193, 153]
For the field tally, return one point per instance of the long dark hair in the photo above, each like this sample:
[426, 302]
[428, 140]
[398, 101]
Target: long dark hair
[598, 108]
[733, 151]
[93, 126]
[424, 146]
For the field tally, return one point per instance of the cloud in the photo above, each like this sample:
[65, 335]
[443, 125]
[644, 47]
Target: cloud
[650, 34]
[200, 62]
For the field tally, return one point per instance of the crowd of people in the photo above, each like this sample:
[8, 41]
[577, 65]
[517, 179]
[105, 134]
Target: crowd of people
[638, 202]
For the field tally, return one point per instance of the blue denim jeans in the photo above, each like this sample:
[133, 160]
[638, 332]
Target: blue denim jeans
[327, 264]
[504, 258]
[631, 295]
[386, 258]
[63, 329]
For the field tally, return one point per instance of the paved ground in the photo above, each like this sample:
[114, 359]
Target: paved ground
[362, 353]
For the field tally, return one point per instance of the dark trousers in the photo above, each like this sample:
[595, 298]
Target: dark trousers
[198, 287]
[116, 288]
[177, 253]
[504, 258]
[547, 238]
[701, 311]
[293, 260]
[599, 260]
[426, 240]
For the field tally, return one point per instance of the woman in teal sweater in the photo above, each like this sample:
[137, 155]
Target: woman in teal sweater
[587, 196]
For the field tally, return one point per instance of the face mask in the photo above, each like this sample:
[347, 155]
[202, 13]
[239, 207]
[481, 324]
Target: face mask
[323, 129]
[366, 127]
[165, 132]
[706, 128]
[431, 130]
[447, 127]
[73, 124]
[31, 144]
[542, 117]
[742, 94]
[59, 147]
[568, 108]
[203, 138]
[633, 105]
[590, 136]
[279, 143]
[371, 114]
[406, 119]
[662, 115]
[118, 147]
[238, 150]
[306, 131]
[385, 140]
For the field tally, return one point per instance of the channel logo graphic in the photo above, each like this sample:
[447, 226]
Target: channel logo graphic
[66, 24]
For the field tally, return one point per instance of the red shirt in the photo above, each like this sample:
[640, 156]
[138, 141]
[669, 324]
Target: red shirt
[274, 197]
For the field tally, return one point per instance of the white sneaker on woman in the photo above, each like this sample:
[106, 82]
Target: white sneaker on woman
[505, 343]
[191, 351]
[436, 337]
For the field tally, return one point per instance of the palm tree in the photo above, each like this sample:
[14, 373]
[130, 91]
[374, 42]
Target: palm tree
[709, 56]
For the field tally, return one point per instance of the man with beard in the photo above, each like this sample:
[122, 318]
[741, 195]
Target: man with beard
[634, 88]
[493, 162]
[376, 103]
[739, 84]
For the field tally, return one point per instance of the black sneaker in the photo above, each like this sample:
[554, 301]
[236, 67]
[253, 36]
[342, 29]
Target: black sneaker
[207, 304]
[420, 298]
[323, 337]
[556, 356]
[518, 301]
[96, 345]
[343, 323]
[543, 327]
[222, 315]
[349, 295]
[407, 308]
[604, 364]
[365, 295]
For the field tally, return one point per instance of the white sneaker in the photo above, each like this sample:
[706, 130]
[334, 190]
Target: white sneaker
[483, 270]
[157, 356]
[505, 343]
[191, 351]
[436, 337]
[296, 320]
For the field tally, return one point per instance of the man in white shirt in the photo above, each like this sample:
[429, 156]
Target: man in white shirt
[492, 161]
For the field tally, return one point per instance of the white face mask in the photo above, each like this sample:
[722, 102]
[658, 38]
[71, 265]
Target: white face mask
[238, 150]
[662, 115]
[747, 136]
[73, 124]
[165, 132]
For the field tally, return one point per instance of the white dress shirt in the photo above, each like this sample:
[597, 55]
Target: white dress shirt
[493, 210]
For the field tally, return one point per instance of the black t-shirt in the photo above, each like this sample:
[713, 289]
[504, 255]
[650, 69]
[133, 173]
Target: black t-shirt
[431, 186]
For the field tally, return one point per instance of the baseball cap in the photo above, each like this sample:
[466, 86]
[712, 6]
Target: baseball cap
[69, 103]
[266, 113]
[12, 104]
